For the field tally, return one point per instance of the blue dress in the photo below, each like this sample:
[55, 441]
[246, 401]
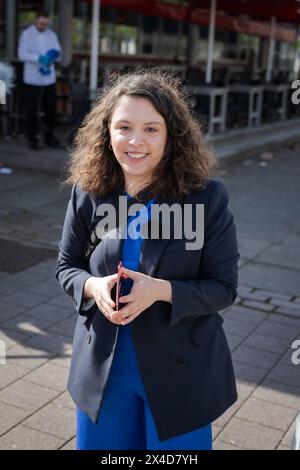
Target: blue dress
[125, 419]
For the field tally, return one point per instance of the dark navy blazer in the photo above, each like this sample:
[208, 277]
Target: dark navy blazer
[181, 348]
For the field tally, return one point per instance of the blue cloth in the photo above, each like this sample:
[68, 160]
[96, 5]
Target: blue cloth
[44, 59]
[125, 420]
[47, 60]
[133, 242]
[52, 54]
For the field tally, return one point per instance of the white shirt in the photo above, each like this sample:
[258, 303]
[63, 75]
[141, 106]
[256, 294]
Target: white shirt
[34, 43]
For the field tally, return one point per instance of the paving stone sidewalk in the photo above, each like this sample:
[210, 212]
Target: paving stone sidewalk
[37, 319]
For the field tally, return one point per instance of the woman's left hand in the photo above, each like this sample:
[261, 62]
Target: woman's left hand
[144, 292]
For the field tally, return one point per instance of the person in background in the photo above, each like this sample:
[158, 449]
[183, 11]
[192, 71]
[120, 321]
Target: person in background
[39, 48]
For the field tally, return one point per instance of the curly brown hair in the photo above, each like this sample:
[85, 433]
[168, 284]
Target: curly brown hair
[187, 162]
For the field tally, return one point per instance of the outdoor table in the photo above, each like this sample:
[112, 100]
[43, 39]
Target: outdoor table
[214, 117]
[255, 94]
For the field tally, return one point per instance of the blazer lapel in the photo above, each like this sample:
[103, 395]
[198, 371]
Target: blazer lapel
[152, 249]
[111, 242]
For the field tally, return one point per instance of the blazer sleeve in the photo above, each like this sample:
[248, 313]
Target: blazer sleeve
[216, 287]
[72, 268]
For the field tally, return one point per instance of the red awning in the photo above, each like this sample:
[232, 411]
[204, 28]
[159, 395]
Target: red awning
[197, 12]
[285, 11]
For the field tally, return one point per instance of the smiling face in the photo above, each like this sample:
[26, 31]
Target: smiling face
[138, 138]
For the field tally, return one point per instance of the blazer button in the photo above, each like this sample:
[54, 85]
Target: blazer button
[181, 361]
[89, 338]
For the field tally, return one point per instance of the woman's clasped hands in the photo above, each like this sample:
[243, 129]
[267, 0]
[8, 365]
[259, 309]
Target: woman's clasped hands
[144, 292]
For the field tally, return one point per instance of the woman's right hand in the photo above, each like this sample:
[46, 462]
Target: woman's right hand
[100, 288]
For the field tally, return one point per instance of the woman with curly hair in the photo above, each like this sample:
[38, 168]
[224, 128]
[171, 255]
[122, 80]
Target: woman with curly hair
[151, 367]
